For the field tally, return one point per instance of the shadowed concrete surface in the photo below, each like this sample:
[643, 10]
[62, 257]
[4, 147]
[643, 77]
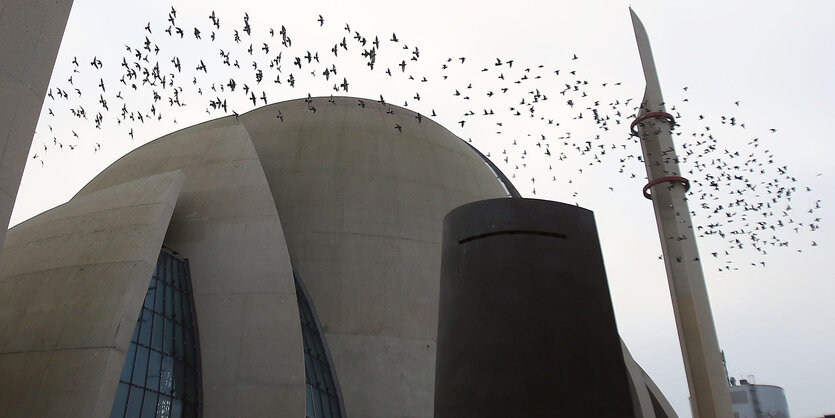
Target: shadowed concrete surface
[647, 399]
[526, 325]
[71, 287]
[33, 30]
[361, 205]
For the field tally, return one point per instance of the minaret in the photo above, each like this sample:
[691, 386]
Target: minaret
[709, 395]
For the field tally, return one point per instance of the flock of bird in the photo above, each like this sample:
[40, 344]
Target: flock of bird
[537, 116]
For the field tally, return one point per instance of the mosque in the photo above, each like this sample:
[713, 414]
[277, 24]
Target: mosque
[319, 264]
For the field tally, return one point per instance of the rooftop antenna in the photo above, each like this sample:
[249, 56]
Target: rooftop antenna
[709, 394]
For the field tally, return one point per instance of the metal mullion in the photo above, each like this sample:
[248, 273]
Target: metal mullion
[170, 272]
[198, 372]
[168, 304]
[171, 275]
[179, 342]
[127, 398]
[180, 274]
[162, 314]
[163, 329]
[147, 362]
[316, 405]
[133, 360]
[151, 390]
[166, 267]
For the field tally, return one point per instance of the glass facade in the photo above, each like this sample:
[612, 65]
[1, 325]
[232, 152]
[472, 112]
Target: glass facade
[161, 375]
[322, 392]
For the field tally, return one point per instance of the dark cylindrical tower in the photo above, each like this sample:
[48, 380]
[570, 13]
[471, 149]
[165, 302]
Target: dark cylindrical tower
[526, 326]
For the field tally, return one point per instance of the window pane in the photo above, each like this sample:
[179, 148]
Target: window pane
[135, 335]
[320, 374]
[134, 402]
[178, 342]
[178, 307]
[140, 366]
[168, 264]
[189, 354]
[127, 371]
[159, 335]
[190, 387]
[309, 374]
[149, 295]
[317, 402]
[179, 379]
[156, 334]
[118, 410]
[168, 342]
[149, 406]
[166, 375]
[187, 309]
[169, 301]
[322, 396]
[176, 407]
[164, 407]
[152, 380]
[145, 329]
[310, 409]
[326, 410]
[159, 305]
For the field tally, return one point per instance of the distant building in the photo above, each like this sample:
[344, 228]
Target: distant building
[758, 401]
[250, 266]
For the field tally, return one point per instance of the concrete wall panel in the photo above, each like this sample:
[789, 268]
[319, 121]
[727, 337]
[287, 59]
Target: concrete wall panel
[662, 407]
[362, 206]
[227, 225]
[71, 287]
[647, 397]
[32, 30]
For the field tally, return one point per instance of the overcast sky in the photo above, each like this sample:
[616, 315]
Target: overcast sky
[774, 318]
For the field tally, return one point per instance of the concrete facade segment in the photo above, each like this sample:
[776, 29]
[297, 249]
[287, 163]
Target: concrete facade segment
[361, 204]
[660, 404]
[227, 225]
[647, 399]
[32, 30]
[71, 287]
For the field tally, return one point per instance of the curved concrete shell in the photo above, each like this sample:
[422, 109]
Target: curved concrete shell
[227, 225]
[72, 283]
[361, 203]
[647, 398]
[32, 30]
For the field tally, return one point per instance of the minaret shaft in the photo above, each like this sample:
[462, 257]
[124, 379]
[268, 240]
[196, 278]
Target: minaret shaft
[709, 395]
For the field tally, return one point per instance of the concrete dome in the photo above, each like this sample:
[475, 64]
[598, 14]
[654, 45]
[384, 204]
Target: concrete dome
[352, 197]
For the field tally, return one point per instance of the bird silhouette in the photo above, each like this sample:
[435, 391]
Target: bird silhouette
[740, 193]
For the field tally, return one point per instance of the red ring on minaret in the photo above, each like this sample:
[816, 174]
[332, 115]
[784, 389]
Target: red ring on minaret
[651, 115]
[668, 179]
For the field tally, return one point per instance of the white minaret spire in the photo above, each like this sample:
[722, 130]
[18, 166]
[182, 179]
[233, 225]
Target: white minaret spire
[709, 394]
